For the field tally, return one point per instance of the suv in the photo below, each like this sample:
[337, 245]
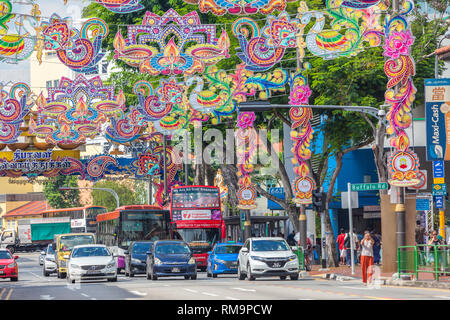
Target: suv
[266, 257]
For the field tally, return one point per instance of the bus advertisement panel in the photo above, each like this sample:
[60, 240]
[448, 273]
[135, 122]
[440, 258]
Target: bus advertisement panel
[197, 219]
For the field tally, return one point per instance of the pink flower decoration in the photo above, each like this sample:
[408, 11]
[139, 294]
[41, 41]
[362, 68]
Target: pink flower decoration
[300, 95]
[246, 119]
[397, 44]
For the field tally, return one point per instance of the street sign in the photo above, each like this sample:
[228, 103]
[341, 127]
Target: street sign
[344, 200]
[439, 189]
[423, 177]
[438, 180]
[438, 169]
[369, 186]
[422, 204]
[279, 193]
[439, 202]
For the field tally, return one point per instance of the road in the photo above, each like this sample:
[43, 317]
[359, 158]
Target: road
[32, 285]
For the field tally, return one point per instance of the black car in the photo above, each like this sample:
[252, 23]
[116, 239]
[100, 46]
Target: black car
[171, 258]
[136, 257]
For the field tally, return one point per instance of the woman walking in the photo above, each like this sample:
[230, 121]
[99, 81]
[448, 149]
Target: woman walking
[367, 257]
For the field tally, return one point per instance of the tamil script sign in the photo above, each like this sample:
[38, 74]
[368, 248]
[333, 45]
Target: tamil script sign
[34, 161]
[369, 186]
[437, 114]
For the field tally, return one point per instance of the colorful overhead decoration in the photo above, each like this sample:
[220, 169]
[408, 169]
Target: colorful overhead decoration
[80, 50]
[75, 111]
[247, 141]
[400, 94]
[171, 44]
[121, 6]
[223, 189]
[18, 45]
[221, 7]
[301, 134]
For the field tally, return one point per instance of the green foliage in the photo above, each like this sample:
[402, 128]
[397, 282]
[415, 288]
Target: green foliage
[106, 199]
[59, 199]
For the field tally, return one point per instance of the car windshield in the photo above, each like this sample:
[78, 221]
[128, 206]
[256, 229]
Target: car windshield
[172, 248]
[5, 255]
[68, 242]
[269, 245]
[228, 249]
[90, 252]
[141, 247]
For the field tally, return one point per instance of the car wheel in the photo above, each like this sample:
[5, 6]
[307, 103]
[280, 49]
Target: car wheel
[63, 275]
[113, 279]
[294, 276]
[186, 277]
[15, 279]
[58, 275]
[194, 277]
[46, 274]
[131, 275]
[283, 277]
[214, 275]
[249, 273]
[241, 276]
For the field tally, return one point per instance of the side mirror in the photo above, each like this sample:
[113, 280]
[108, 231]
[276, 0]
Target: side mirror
[16, 257]
[126, 252]
[244, 250]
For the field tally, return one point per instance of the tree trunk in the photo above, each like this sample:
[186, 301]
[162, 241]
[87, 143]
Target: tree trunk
[210, 175]
[199, 177]
[230, 179]
[380, 155]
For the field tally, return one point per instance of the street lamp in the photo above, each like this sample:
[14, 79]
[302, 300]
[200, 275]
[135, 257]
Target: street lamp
[436, 72]
[92, 188]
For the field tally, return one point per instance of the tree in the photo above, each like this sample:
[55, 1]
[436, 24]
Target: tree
[57, 198]
[127, 196]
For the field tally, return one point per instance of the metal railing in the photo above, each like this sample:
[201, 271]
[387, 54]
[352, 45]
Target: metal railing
[424, 258]
[301, 257]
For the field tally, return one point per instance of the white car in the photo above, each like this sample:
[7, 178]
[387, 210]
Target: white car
[267, 257]
[92, 261]
[49, 261]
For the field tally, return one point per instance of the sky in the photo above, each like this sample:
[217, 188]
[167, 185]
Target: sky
[19, 72]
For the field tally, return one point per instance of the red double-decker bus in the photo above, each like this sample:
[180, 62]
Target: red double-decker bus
[196, 218]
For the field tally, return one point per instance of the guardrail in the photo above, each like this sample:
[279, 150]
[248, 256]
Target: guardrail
[301, 257]
[424, 258]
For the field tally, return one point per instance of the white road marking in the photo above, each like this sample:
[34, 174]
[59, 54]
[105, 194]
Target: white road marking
[209, 294]
[39, 277]
[93, 299]
[248, 290]
[357, 288]
[190, 290]
[305, 299]
[231, 298]
[138, 293]
[47, 297]
[85, 295]
[442, 297]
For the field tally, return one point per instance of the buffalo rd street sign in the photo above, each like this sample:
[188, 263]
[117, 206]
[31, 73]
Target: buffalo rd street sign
[369, 186]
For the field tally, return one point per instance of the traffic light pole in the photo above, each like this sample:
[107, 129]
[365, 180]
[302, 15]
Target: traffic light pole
[302, 227]
[350, 223]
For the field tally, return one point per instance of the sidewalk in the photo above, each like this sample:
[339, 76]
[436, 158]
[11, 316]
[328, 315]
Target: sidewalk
[346, 271]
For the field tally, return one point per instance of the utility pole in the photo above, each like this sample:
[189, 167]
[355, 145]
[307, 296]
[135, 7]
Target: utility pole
[164, 165]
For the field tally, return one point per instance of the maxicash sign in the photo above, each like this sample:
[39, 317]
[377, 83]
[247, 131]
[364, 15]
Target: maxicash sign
[437, 113]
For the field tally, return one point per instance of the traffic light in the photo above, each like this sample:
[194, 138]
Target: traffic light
[318, 201]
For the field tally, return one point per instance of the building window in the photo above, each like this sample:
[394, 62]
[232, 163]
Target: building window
[48, 84]
[56, 83]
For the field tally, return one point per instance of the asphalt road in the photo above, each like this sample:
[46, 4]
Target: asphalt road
[32, 285]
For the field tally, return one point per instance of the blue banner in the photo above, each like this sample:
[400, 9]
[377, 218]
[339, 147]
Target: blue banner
[279, 193]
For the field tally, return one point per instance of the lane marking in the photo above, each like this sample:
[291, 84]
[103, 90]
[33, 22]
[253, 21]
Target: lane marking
[209, 294]
[190, 290]
[47, 297]
[9, 294]
[419, 288]
[93, 299]
[85, 295]
[442, 297]
[242, 289]
[2, 292]
[138, 293]
[231, 298]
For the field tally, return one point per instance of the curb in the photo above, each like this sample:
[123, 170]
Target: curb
[337, 277]
[419, 284]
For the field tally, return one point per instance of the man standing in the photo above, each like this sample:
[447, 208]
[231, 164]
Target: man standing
[420, 233]
[291, 239]
[342, 250]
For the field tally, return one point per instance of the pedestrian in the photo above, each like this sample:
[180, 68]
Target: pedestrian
[291, 238]
[420, 234]
[435, 240]
[342, 250]
[376, 248]
[367, 257]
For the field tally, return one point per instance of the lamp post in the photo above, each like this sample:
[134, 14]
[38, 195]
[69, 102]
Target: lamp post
[436, 71]
[92, 188]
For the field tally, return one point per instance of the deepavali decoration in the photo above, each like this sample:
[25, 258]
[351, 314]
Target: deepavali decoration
[75, 111]
[223, 189]
[80, 50]
[400, 94]
[301, 134]
[15, 103]
[18, 46]
[125, 128]
[221, 7]
[183, 44]
[246, 149]
[95, 167]
[121, 6]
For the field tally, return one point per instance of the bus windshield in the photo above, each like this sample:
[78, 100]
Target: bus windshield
[68, 242]
[200, 240]
[195, 197]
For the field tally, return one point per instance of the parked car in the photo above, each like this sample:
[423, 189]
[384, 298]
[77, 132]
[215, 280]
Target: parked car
[49, 261]
[42, 257]
[136, 257]
[92, 261]
[171, 258]
[266, 257]
[8, 265]
[223, 259]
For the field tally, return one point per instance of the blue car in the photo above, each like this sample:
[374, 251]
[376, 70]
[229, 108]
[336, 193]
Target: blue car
[223, 259]
[170, 258]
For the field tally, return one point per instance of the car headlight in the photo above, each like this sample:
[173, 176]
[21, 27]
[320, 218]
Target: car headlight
[74, 266]
[257, 258]
[219, 261]
[50, 259]
[133, 260]
[293, 257]
[191, 261]
[11, 265]
[111, 264]
[157, 261]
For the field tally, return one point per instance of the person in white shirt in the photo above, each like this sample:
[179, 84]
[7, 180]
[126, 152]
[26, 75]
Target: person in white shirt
[367, 257]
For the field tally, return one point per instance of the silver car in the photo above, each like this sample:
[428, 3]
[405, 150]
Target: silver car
[49, 261]
[93, 261]
[267, 257]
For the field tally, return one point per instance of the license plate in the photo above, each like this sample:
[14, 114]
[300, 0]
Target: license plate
[175, 270]
[276, 265]
[93, 271]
